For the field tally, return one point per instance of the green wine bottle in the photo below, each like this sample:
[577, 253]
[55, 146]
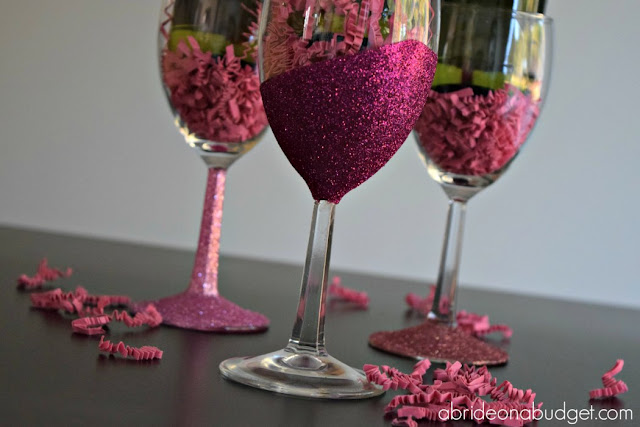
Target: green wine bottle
[484, 66]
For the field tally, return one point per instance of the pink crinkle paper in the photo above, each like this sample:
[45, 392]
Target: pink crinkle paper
[218, 98]
[286, 50]
[471, 323]
[611, 386]
[344, 293]
[146, 352]
[92, 325]
[43, 275]
[91, 309]
[458, 387]
[287, 46]
[472, 134]
[78, 301]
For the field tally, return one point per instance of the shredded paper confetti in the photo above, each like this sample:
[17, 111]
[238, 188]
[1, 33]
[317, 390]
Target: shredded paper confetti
[336, 290]
[143, 353]
[472, 323]
[472, 134]
[611, 386]
[470, 390]
[92, 315]
[43, 275]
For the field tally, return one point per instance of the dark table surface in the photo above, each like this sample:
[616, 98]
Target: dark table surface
[50, 376]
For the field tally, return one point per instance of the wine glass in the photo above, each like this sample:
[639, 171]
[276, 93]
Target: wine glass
[343, 82]
[207, 52]
[492, 77]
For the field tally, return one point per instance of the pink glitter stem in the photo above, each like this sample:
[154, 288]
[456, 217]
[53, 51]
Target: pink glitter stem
[204, 277]
[201, 307]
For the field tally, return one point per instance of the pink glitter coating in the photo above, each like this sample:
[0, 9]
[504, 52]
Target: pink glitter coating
[438, 342]
[339, 121]
[206, 313]
[456, 387]
[200, 307]
[475, 134]
[204, 276]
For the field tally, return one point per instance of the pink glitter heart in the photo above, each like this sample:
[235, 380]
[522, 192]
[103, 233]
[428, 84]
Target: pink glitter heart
[339, 121]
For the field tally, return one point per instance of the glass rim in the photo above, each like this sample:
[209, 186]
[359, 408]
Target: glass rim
[513, 13]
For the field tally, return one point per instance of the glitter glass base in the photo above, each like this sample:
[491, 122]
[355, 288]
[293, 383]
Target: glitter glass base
[439, 343]
[190, 310]
[300, 373]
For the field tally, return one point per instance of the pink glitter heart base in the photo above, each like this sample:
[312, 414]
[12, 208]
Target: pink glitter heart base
[339, 121]
[439, 343]
[190, 310]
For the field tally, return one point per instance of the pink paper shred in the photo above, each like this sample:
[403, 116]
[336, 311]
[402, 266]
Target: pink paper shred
[143, 353]
[92, 325]
[167, 18]
[91, 309]
[43, 275]
[476, 134]
[218, 98]
[423, 305]
[78, 301]
[456, 386]
[342, 292]
[472, 323]
[285, 49]
[611, 386]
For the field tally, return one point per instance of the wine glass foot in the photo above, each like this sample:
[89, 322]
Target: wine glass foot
[300, 373]
[199, 312]
[439, 343]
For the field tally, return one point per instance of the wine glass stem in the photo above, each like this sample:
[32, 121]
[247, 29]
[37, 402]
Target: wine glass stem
[447, 283]
[308, 330]
[204, 277]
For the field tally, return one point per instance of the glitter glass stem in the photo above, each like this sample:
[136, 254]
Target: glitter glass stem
[211, 82]
[308, 329]
[492, 78]
[447, 284]
[204, 277]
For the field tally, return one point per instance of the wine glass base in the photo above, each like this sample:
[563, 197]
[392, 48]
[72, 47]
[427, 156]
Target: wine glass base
[199, 312]
[439, 343]
[300, 373]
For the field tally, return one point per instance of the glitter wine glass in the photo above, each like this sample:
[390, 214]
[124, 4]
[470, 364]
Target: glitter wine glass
[492, 76]
[208, 67]
[343, 83]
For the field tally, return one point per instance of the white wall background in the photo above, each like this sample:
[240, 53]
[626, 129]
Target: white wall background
[87, 146]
